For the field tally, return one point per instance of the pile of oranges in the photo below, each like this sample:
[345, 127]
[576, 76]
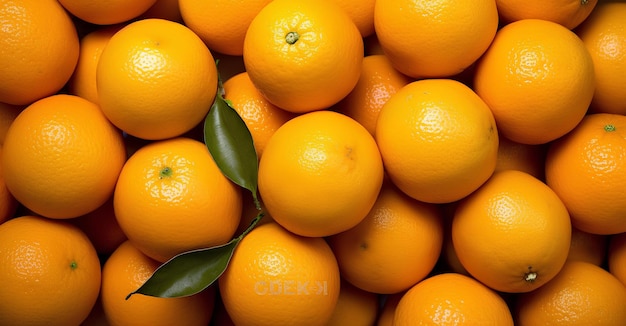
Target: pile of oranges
[419, 162]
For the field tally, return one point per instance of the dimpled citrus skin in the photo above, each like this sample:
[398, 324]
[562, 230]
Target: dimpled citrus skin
[320, 174]
[156, 79]
[61, 157]
[38, 50]
[278, 278]
[528, 222]
[50, 272]
[451, 299]
[171, 197]
[537, 78]
[430, 39]
[292, 48]
[438, 140]
[591, 157]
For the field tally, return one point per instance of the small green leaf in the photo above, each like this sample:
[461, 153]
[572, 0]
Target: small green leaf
[230, 143]
[193, 271]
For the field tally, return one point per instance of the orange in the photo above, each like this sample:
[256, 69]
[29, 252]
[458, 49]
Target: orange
[581, 294]
[378, 81]
[354, 307]
[261, 117]
[616, 258]
[278, 278]
[388, 309]
[124, 272]
[368, 254]
[604, 36]
[523, 157]
[320, 174]
[513, 234]
[222, 25]
[588, 247]
[438, 140]
[38, 50]
[8, 113]
[102, 228]
[83, 81]
[164, 9]
[303, 55]
[171, 197]
[451, 299]
[586, 168]
[106, 12]
[156, 79]
[50, 272]
[61, 157]
[434, 38]
[8, 204]
[569, 13]
[361, 12]
[538, 79]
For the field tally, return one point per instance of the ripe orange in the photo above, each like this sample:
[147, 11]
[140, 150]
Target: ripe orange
[588, 247]
[604, 36]
[222, 25]
[171, 197]
[102, 228]
[156, 79]
[368, 254]
[616, 259]
[513, 234]
[378, 81]
[61, 157]
[278, 278]
[361, 12]
[434, 38]
[83, 80]
[569, 13]
[320, 174]
[8, 204]
[8, 113]
[261, 117]
[126, 270]
[38, 50]
[50, 272]
[106, 12]
[451, 299]
[581, 294]
[438, 140]
[354, 307]
[292, 48]
[538, 79]
[586, 168]
[523, 157]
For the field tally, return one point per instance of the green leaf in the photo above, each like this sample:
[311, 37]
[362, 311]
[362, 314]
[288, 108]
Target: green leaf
[193, 271]
[230, 143]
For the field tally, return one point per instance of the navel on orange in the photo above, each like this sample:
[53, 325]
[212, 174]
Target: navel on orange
[303, 55]
[512, 234]
[591, 157]
[171, 197]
